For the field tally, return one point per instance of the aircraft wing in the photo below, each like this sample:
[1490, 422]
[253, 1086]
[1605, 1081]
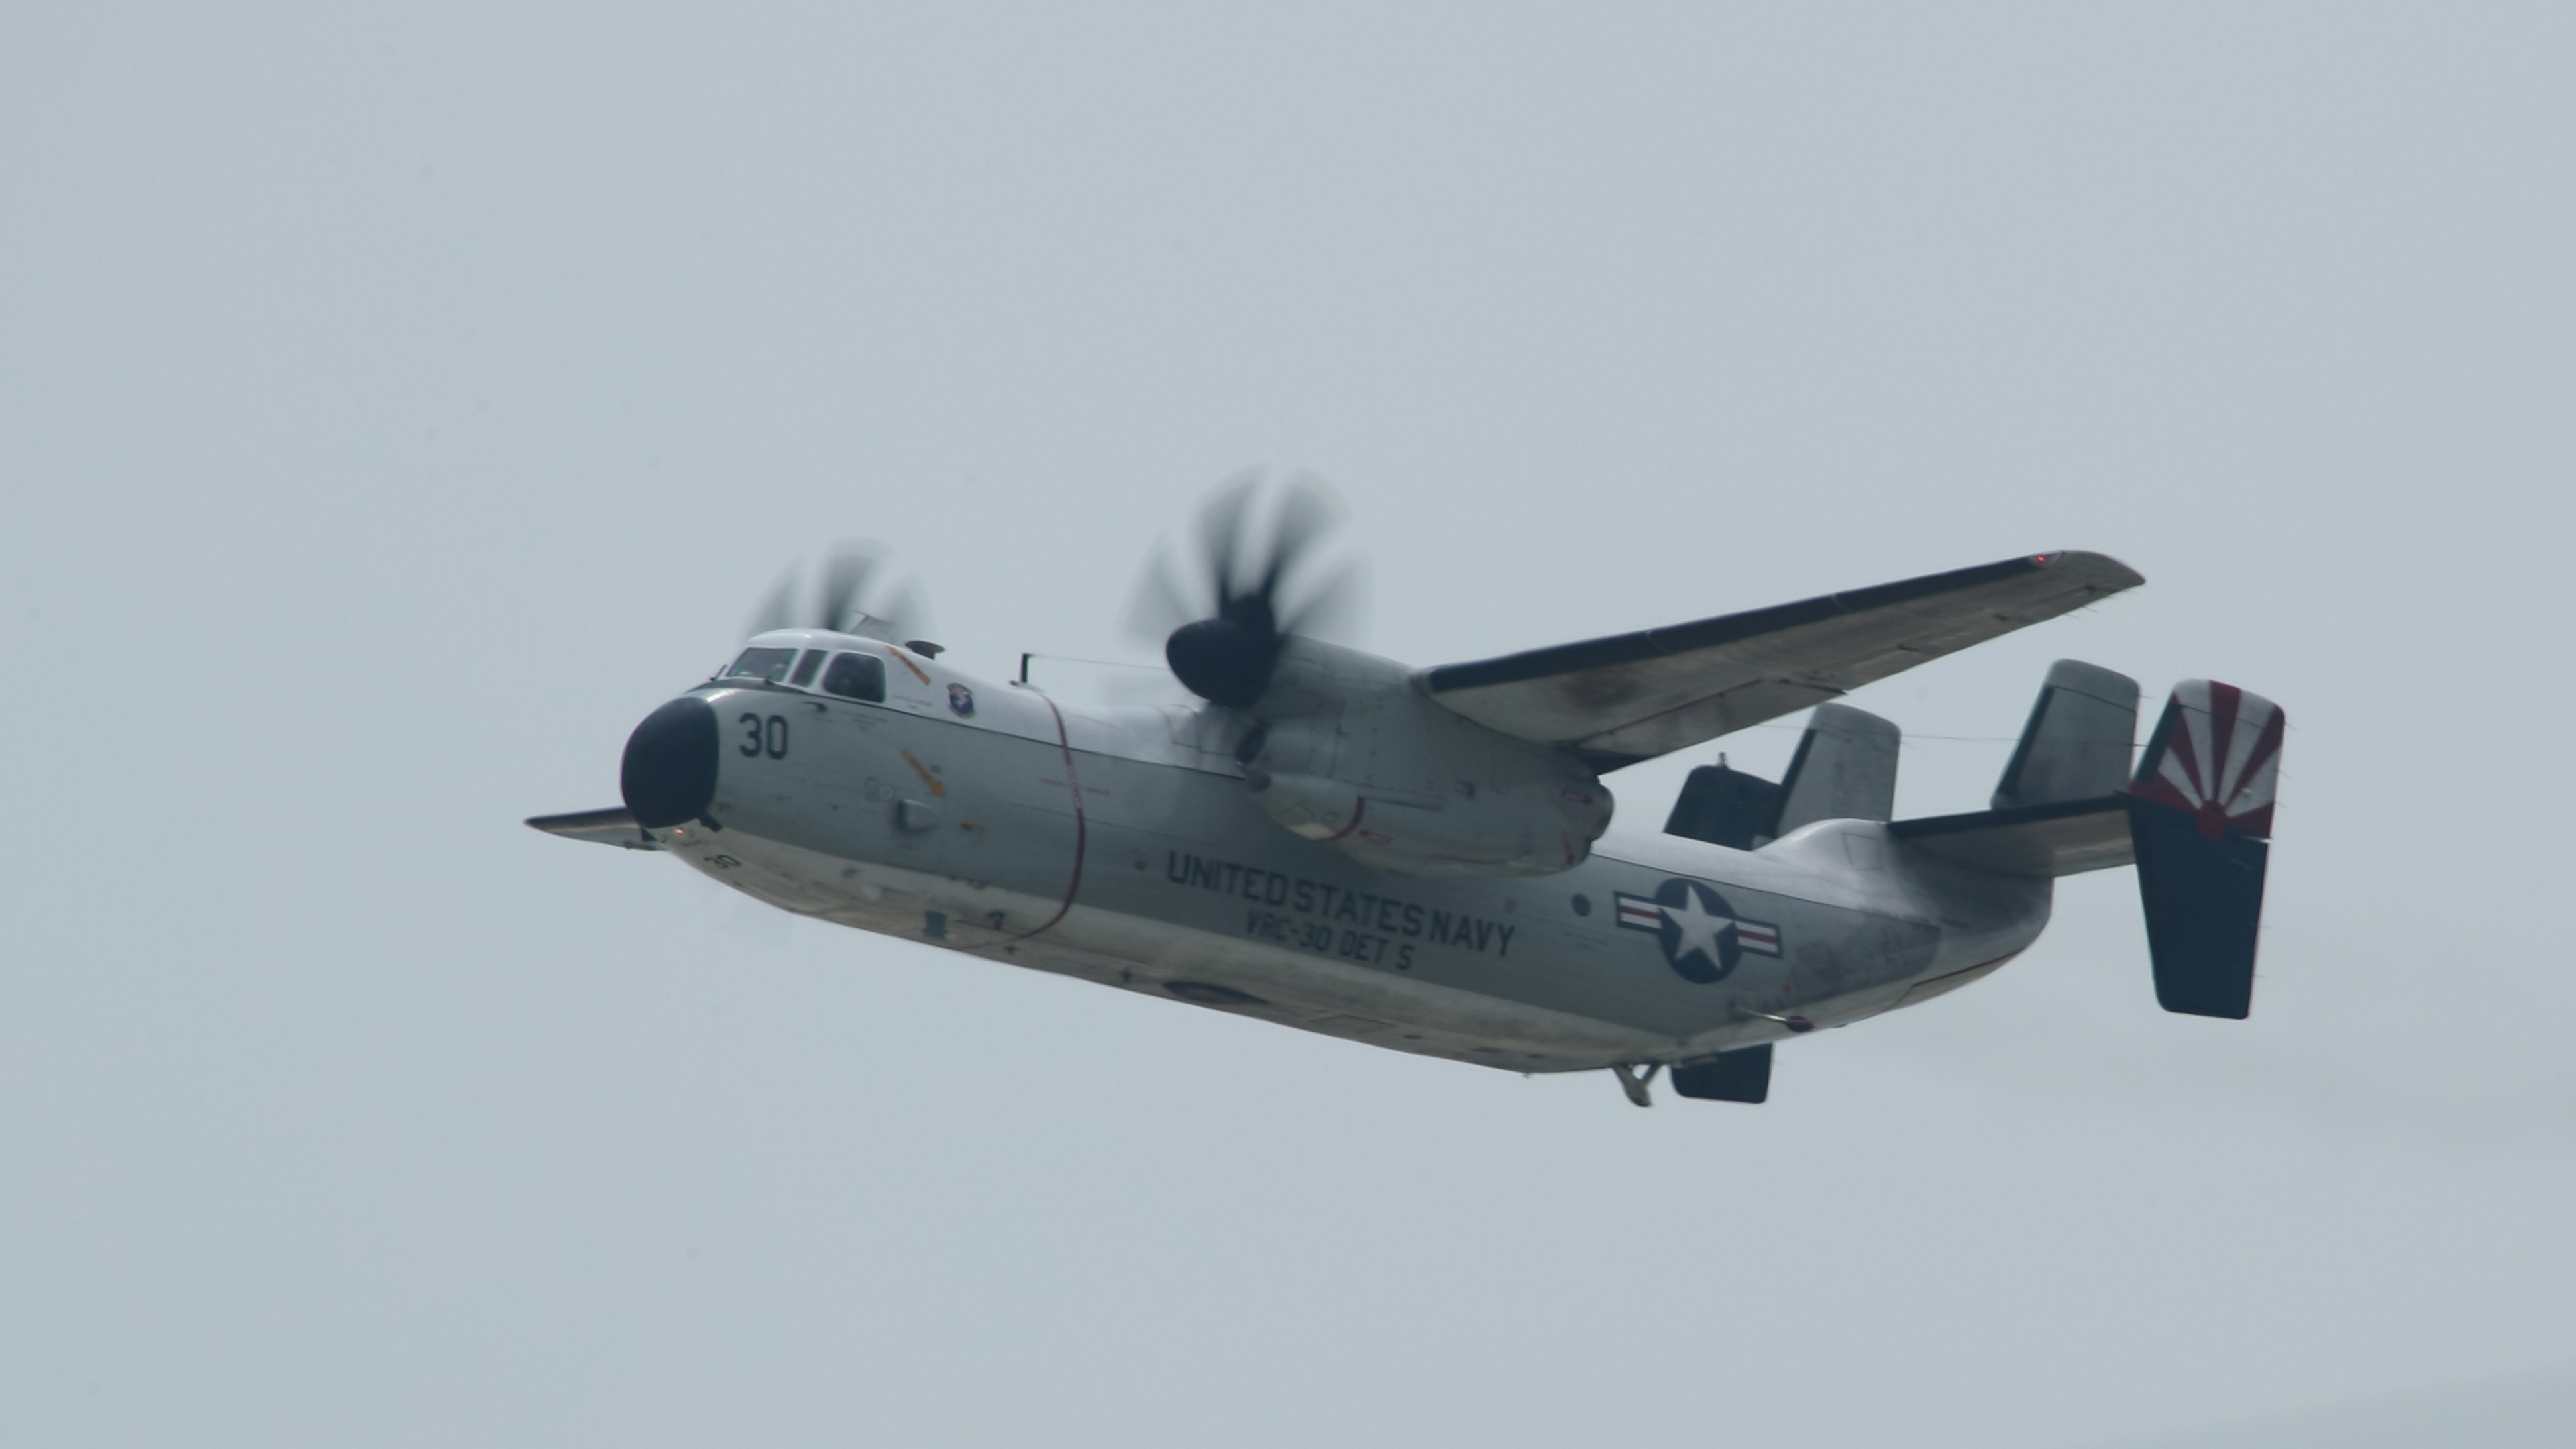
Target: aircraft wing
[1631, 697]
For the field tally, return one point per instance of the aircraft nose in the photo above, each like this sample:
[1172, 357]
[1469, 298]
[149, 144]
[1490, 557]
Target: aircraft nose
[669, 775]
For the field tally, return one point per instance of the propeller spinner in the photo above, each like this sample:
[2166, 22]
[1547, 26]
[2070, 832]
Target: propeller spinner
[1242, 615]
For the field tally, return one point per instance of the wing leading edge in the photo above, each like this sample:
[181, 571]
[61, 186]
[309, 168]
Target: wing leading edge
[1632, 697]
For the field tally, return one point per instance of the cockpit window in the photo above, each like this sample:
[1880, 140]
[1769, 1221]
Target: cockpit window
[769, 664]
[856, 676]
[806, 666]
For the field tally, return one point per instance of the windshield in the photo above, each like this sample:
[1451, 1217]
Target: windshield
[769, 664]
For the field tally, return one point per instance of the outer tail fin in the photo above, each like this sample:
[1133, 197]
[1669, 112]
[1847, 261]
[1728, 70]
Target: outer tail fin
[1725, 806]
[2059, 808]
[2200, 817]
[2076, 746]
[1845, 769]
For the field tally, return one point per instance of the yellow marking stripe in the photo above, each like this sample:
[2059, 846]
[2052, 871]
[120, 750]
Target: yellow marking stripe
[927, 778]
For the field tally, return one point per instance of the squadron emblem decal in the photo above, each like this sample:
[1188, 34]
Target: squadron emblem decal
[1701, 936]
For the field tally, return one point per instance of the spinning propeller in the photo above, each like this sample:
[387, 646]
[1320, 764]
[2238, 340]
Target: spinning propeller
[851, 594]
[1228, 625]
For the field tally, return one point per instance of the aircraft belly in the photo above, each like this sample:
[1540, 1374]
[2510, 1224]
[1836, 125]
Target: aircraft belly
[1168, 880]
[1248, 977]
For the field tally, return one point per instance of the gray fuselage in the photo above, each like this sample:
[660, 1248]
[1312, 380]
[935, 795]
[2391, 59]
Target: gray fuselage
[1120, 846]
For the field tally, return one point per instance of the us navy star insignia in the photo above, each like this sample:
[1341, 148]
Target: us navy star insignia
[1701, 932]
[1701, 936]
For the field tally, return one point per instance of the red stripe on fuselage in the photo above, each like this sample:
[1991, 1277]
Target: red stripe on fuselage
[1081, 828]
[1359, 812]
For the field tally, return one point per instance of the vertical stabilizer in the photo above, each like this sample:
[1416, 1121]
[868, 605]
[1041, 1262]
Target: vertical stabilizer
[1742, 1075]
[1845, 769]
[2200, 817]
[2076, 746]
[1726, 807]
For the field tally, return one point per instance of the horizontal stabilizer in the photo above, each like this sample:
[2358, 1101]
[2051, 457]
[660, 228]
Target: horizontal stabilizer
[2068, 837]
[2200, 811]
[1742, 1075]
[608, 827]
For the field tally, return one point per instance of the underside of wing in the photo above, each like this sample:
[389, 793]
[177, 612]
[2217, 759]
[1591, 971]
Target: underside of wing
[1632, 697]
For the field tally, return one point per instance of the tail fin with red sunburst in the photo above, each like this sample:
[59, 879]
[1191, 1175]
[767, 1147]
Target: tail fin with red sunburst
[2200, 818]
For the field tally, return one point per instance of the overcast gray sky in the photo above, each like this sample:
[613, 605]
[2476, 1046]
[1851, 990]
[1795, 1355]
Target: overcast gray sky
[395, 406]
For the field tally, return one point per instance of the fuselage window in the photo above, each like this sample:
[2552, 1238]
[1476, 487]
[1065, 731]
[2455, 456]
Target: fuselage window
[856, 676]
[769, 664]
[806, 666]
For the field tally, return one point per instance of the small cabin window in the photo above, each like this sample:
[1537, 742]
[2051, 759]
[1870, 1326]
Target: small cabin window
[856, 676]
[769, 664]
[806, 666]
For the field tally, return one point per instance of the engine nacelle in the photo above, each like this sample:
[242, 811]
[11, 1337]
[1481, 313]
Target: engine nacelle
[1347, 752]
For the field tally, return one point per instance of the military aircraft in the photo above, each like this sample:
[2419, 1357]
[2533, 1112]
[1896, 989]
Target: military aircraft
[1425, 859]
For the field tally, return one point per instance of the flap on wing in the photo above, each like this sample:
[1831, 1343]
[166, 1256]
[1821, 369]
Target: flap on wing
[2067, 837]
[1634, 696]
[608, 827]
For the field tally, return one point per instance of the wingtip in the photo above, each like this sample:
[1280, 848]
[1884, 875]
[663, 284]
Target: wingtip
[2098, 569]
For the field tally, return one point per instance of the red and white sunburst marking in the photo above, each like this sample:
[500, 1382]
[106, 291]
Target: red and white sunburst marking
[2221, 759]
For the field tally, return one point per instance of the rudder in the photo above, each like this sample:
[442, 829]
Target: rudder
[2200, 819]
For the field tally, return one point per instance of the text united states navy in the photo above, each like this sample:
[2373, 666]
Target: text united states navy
[1326, 904]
